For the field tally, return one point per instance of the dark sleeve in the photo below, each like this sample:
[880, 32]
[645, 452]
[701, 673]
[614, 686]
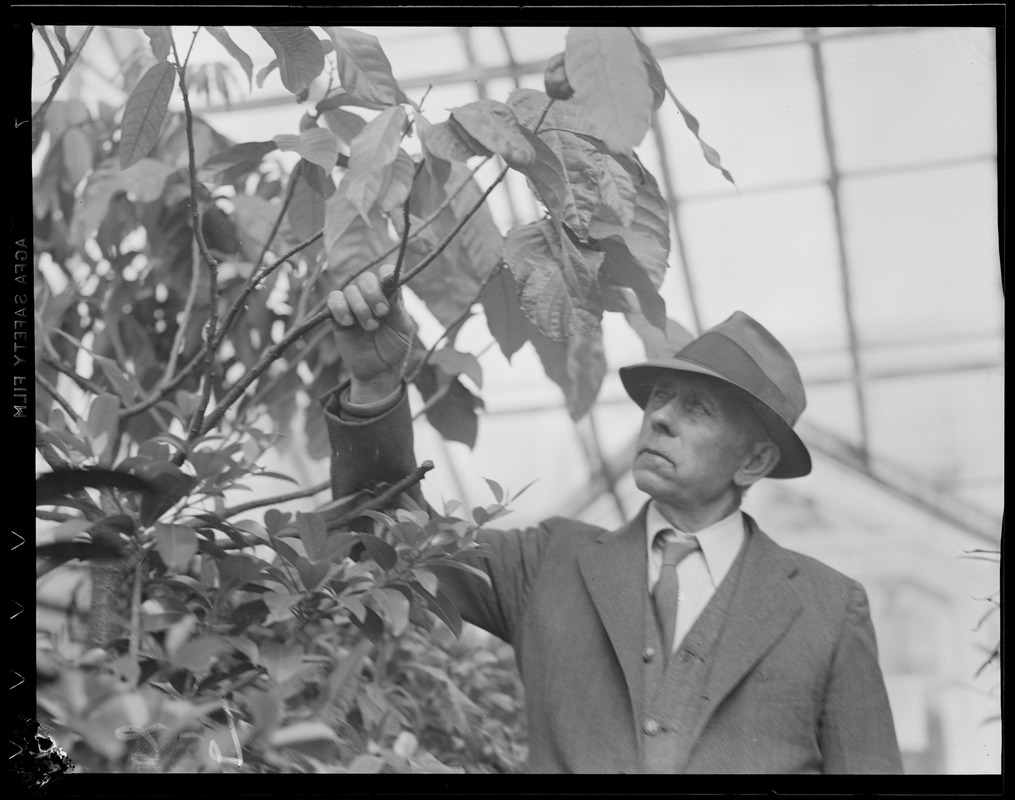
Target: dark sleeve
[375, 449]
[857, 733]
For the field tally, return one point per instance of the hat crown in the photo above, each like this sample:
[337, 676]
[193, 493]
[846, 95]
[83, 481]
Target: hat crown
[783, 389]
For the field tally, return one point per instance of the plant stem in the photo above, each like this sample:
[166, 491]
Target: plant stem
[52, 392]
[294, 178]
[381, 500]
[52, 51]
[271, 501]
[40, 112]
[405, 227]
[181, 327]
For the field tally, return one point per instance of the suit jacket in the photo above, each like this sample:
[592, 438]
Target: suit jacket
[791, 683]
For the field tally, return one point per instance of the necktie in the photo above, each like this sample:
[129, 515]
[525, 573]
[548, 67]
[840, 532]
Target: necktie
[667, 588]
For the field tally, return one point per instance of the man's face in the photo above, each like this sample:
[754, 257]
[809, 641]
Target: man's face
[694, 437]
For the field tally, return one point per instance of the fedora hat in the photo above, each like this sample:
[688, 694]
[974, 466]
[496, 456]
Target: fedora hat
[741, 352]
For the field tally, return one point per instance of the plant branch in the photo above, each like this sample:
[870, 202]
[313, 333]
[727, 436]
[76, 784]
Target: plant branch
[181, 327]
[271, 501]
[294, 178]
[405, 226]
[52, 50]
[135, 610]
[381, 500]
[52, 392]
[190, 49]
[40, 112]
[84, 383]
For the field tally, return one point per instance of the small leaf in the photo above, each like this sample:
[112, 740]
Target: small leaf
[498, 492]
[397, 180]
[306, 731]
[426, 579]
[145, 112]
[299, 53]
[380, 551]
[363, 68]
[177, 544]
[656, 81]
[320, 146]
[631, 258]
[281, 660]
[265, 71]
[711, 154]
[395, 606]
[234, 571]
[445, 609]
[313, 534]
[344, 124]
[494, 126]
[102, 427]
[161, 39]
[551, 184]
[126, 387]
[197, 655]
[475, 571]
[245, 62]
[605, 67]
[350, 241]
[444, 141]
[77, 155]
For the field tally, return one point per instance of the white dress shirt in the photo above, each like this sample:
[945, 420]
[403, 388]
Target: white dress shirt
[701, 572]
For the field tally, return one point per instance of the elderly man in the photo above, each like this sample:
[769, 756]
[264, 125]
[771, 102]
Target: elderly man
[687, 641]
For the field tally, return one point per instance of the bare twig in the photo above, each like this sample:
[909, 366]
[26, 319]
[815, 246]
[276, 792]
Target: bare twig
[84, 383]
[181, 328]
[405, 227]
[294, 179]
[271, 501]
[382, 500]
[52, 50]
[135, 610]
[40, 112]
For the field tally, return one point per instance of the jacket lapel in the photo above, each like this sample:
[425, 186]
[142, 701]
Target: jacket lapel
[763, 606]
[614, 571]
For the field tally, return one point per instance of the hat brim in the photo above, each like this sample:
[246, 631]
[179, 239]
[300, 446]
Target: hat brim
[794, 460]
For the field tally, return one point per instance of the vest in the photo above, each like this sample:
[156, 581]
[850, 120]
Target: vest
[668, 693]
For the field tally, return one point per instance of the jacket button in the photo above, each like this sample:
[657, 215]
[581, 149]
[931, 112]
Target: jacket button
[651, 727]
[647, 654]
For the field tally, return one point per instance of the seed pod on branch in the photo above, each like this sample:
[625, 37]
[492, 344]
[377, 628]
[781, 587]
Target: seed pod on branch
[555, 79]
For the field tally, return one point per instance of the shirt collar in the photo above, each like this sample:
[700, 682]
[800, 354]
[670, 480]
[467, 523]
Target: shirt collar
[720, 542]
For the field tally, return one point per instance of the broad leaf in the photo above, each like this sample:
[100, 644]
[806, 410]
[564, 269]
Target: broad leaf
[234, 571]
[351, 242]
[363, 68]
[448, 143]
[397, 181]
[78, 155]
[320, 146]
[380, 551]
[145, 180]
[494, 126]
[605, 67]
[176, 544]
[299, 53]
[577, 366]
[230, 164]
[395, 607]
[371, 151]
[454, 363]
[307, 207]
[344, 124]
[197, 655]
[557, 285]
[313, 534]
[282, 660]
[245, 62]
[550, 182]
[102, 427]
[161, 39]
[504, 316]
[445, 609]
[453, 416]
[631, 259]
[145, 112]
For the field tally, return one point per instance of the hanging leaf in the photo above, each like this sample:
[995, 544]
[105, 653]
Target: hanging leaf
[577, 366]
[634, 260]
[229, 165]
[380, 551]
[504, 316]
[558, 286]
[453, 416]
[605, 67]
[448, 143]
[307, 207]
[444, 608]
[313, 534]
[265, 71]
[363, 68]
[371, 151]
[659, 344]
[342, 98]
[549, 181]
[161, 39]
[245, 62]
[176, 544]
[656, 81]
[453, 363]
[344, 124]
[395, 607]
[494, 126]
[320, 146]
[145, 112]
[299, 53]
[711, 154]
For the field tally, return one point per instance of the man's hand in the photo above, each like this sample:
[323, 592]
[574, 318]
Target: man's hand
[374, 335]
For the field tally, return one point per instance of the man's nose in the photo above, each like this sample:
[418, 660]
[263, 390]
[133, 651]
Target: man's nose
[663, 419]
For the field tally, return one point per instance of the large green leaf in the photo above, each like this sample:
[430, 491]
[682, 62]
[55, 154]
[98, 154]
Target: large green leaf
[145, 112]
[344, 124]
[161, 39]
[558, 287]
[504, 315]
[307, 207]
[363, 68]
[550, 182]
[493, 125]
[634, 260]
[350, 241]
[314, 144]
[102, 427]
[371, 151]
[451, 143]
[299, 53]
[605, 67]
[453, 416]
[245, 62]
[577, 366]
[397, 181]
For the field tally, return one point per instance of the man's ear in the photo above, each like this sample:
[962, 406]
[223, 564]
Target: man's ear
[761, 459]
